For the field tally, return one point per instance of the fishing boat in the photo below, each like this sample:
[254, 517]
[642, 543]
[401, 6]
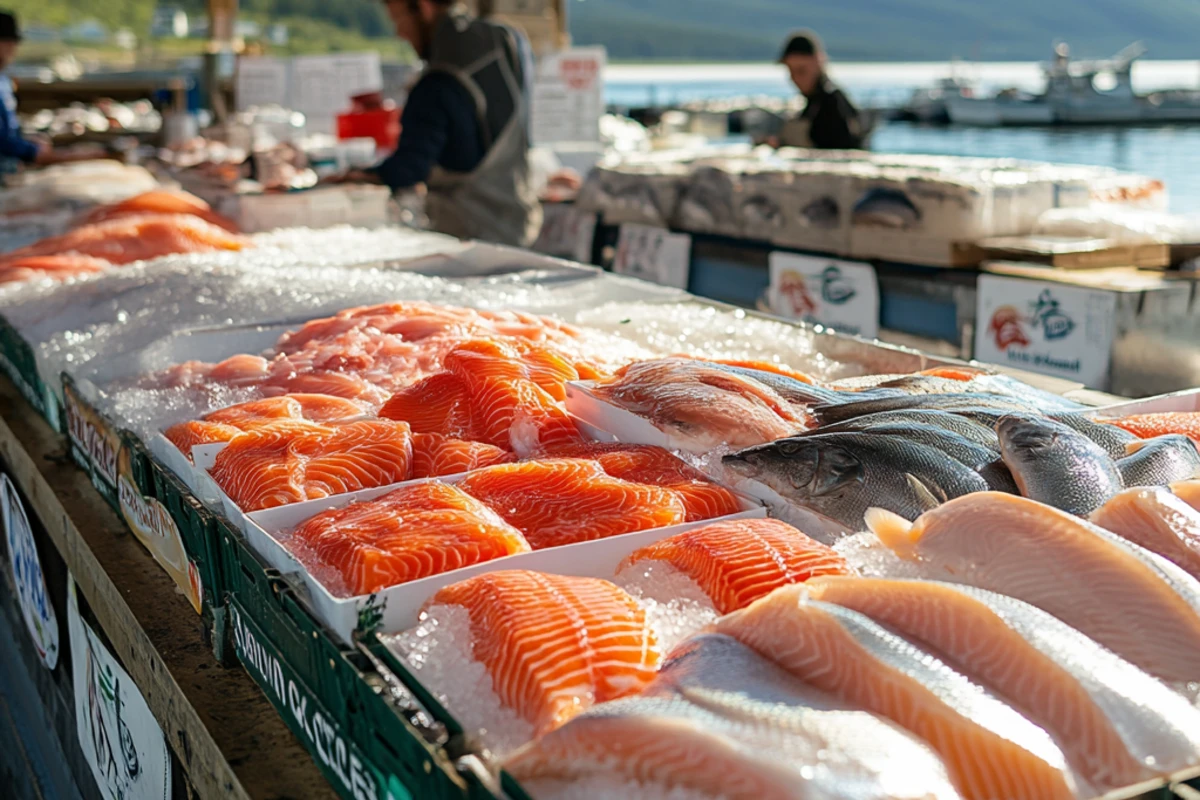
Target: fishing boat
[1095, 92]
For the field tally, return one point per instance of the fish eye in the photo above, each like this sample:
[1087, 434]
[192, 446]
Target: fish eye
[789, 449]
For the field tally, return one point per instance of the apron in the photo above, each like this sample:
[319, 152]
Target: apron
[495, 202]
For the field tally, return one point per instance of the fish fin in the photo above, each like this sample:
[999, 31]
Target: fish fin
[1136, 446]
[897, 534]
[926, 498]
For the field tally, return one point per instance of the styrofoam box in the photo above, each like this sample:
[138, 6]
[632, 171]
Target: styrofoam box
[805, 226]
[363, 206]
[1188, 401]
[401, 605]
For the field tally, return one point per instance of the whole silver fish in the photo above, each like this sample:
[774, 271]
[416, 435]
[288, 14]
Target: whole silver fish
[1056, 465]
[839, 476]
[826, 414]
[981, 434]
[1112, 440]
[1159, 462]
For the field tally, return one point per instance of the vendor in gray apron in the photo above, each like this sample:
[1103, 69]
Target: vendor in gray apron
[15, 149]
[464, 131]
[829, 121]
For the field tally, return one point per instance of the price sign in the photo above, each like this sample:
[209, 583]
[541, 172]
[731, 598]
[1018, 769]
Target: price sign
[843, 295]
[654, 255]
[27, 575]
[567, 232]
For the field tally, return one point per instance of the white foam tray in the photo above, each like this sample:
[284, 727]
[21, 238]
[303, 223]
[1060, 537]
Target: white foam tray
[1187, 401]
[401, 605]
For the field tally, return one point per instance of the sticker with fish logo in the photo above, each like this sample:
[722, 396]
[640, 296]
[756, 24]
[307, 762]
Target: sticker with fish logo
[1054, 321]
[1045, 327]
[120, 738]
[843, 295]
[28, 579]
[836, 288]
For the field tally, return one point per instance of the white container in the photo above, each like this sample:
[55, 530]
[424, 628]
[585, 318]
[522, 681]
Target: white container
[323, 207]
[401, 605]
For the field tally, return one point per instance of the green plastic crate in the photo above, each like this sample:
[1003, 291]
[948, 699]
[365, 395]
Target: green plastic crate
[383, 718]
[18, 361]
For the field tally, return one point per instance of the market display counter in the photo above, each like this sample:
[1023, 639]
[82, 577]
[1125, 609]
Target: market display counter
[228, 740]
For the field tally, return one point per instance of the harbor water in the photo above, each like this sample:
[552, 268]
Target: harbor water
[1170, 152]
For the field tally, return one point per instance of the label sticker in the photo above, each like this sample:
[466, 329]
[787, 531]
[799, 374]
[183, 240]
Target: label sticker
[567, 233]
[40, 619]
[654, 254]
[843, 295]
[119, 736]
[1045, 327]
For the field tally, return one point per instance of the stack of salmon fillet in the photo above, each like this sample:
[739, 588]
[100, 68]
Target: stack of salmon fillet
[150, 225]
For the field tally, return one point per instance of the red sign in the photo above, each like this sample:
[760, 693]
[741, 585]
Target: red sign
[578, 73]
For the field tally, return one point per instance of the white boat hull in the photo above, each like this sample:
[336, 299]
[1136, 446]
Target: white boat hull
[994, 113]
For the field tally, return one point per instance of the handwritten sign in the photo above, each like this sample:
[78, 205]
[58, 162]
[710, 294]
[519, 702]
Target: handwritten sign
[119, 736]
[1046, 327]
[30, 582]
[568, 96]
[654, 254]
[843, 295]
[320, 87]
[567, 232]
[261, 82]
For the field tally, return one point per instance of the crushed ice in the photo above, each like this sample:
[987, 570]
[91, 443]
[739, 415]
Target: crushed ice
[675, 605]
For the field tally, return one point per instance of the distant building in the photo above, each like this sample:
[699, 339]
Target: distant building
[41, 33]
[246, 29]
[277, 34]
[89, 30]
[125, 39]
[169, 22]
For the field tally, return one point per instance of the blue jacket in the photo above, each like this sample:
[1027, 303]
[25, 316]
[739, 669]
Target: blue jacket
[12, 143]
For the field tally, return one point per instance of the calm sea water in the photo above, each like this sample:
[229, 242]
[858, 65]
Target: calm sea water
[1171, 153]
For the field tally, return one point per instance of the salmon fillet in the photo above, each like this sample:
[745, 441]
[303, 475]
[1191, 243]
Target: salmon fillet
[990, 750]
[555, 645]
[1150, 426]
[1116, 725]
[414, 532]
[738, 561]
[566, 501]
[160, 201]
[291, 461]
[1158, 521]
[136, 238]
[1140, 606]
[57, 267]
[721, 721]
[656, 466]
[226, 423]
[435, 456]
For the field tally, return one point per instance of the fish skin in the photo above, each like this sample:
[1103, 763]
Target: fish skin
[1137, 604]
[1112, 439]
[1161, 461]
[1157, 520]
[841, 475]
[724, 722]
[1188, 492]
[826, 414]
[1055, 465]
[968, 429]
[989, 749]
[1117, 725]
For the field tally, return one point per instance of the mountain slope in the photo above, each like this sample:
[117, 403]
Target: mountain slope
[918, 30]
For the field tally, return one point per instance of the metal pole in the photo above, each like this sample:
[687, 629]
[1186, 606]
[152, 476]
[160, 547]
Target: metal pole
[218, 56]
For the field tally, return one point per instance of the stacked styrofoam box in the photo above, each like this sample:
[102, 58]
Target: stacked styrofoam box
[642, 189]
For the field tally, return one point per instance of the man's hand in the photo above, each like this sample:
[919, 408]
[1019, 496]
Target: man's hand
[354, 176]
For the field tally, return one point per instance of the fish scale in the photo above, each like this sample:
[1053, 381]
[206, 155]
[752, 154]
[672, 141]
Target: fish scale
[1160, 461]
[1054, 464]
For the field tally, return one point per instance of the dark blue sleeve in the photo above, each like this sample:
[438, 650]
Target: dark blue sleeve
[12, 143]
[424, 132]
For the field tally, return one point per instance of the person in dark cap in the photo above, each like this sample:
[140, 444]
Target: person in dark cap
[829, 121]
[13, 146]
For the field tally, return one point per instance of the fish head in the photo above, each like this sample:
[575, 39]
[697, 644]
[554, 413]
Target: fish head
[800, 469]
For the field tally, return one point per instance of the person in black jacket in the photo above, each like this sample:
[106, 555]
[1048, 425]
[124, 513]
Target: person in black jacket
[829, 121]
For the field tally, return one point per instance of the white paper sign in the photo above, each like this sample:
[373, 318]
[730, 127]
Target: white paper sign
[654, 255]
[119, 736]
[28, 578]
[567, 232]
[260, 82]
[568, 96]
[1046, 327]
[843, 295]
